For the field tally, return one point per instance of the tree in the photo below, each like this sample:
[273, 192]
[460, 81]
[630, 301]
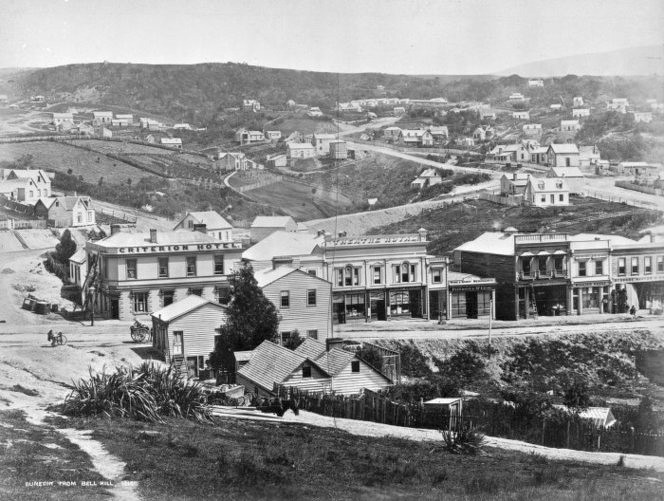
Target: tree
[575, 393]
[66, 248]
[252, 319]
[294, 340]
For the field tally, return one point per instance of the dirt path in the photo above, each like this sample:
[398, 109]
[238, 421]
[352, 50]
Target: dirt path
[371, 429]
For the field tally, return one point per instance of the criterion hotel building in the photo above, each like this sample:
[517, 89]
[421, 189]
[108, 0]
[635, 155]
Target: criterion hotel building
[135, 274]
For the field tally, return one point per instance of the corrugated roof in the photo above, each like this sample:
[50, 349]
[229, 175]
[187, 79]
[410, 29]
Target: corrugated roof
[267, 276]
[211, 219]
[272, 221]
[271, 364]
[491, 242]
[127, 239]
[79, 256]
[175, 310]
[283, 243]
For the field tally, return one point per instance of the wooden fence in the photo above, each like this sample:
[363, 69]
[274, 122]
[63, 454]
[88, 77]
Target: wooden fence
[637, 187]
[551, 429]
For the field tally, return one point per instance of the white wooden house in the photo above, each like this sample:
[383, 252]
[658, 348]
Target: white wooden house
[210, 222]
[184, 331]
[563, 155]
[546, 192]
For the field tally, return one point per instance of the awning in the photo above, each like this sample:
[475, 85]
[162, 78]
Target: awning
[559, 252]
[543, 253]
[526, 254]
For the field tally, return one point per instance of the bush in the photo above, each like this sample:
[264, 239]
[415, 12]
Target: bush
[467, 440]
[147, 393]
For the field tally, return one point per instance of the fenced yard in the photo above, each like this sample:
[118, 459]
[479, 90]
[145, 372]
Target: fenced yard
[553, 429]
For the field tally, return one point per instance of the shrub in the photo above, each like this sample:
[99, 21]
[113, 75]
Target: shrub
[147, 393]
[467, 440]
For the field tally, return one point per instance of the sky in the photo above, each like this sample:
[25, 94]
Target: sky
[391, 36]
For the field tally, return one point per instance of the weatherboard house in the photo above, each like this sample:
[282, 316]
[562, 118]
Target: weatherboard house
[312, 366]
[67, 211]
[137, 273]
[209, 222]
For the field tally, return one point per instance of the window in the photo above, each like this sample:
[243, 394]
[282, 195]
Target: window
[582, 268]
[89, 216]
[218, 264]
[355, 366]
[140, 302]
[285, 299]
[167, 297]
[79, 218]
[340, 277]
[397, 273]
[191, 266]
[541, 265]
[622, 266]
[558, 264]
[306, 371]
[312, 272]
[163, 267]
[525, 266]
[377, 274]
[356, 276]
[195, 291]
[543, 199]
[436, 275]
[553, 199]
[131, 268]
[660, 264]
[647, 265]
[561, 198]
[311, 297]
[313, 334]
[599, 267]
[222, 295]
[635, 265]
[348, 276]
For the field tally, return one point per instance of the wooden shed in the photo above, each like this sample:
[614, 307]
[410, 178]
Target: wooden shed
[184, 332]
[450, 409]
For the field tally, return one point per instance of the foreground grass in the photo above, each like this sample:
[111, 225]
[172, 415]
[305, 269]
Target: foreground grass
[237, 459]
[30, 454]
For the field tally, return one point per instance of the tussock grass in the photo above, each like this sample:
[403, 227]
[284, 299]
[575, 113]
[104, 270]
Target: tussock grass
[147, 393]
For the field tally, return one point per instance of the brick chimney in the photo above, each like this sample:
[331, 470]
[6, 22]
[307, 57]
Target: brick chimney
[153, 236]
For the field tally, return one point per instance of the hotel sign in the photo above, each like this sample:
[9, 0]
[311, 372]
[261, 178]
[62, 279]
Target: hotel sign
[377, 240]
[149, 249]
[630, 279]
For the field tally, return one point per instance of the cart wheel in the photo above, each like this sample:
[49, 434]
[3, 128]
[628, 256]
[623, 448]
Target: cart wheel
[135, 336]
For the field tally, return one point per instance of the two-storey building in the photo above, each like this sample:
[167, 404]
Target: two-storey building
[135, 274]
[638, 269]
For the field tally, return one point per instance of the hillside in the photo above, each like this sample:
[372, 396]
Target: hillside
[633, 61]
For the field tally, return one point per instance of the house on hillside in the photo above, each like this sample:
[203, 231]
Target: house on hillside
[563, 155]
[588, 156]
[272, 135]
[78, 268]
[416, 137]
[208, 222]
[244, 136]
[572, 126]
[262, 226]
[338, 150]
[171, 142]
[521, 115]
[61, 118]
[535, 82]
[618, 104]
[276, 160]
[303, 301]
[641, 170]
[532, 129]
[555, 106]
[577, 101]
[516, 97]
[67, 211]
[440, 133]
[314, 112]
[150, 124]
[251, 105]
[83, 129]
[25, 185]
[311, 367]
[429, 177]
[102, 118]
[580, 112]
[184, 332]
[517, 152]
[300, 151]
[182, 126]
[465, 142]
[391, 134]
[230, 161]
[546, 192]
[123, 120]
[397, 111]
[322, 143]
[514, 185]
[538, 155]
[572, 176]
[642, 116]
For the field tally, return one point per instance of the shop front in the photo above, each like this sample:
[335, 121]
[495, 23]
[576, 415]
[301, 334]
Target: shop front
[543, 299]
[589, 298]
[364, 306]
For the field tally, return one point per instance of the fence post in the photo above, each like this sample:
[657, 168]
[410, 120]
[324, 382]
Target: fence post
[543, 429]
[568, 424]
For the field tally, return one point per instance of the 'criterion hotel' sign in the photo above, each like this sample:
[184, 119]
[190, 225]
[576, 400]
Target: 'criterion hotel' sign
[146, 249]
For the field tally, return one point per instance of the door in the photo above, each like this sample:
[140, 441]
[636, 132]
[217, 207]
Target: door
[415, 299]
[178, 348]
[378, 309]
[471, 304]
[115, 309]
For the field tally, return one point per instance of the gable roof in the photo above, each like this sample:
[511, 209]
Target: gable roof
[547, 184]
[80, 256]
[186, 305]
[311, 348]
[566, 172]
[267, 276]
[211, 219]
[565, 148]
[284, 243]
[272, 221]
[490, 242]
[129, 239]
[271, 364]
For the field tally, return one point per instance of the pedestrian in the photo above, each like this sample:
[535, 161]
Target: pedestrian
[632, 311]
[51, 337]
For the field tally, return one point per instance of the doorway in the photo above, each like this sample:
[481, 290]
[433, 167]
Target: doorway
[471, 304]
[115, 308]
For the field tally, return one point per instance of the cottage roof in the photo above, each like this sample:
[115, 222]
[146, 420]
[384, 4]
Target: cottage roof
[271, 364]
[544, 184]
[568, 172]
[171, 140]
[284, 243]
[599, 416]
[565, 149]
[272, 221]
[186, 305]
[243, 356]
[31, 174]
[127, 239]
[267, 276]
[442, 401]
[490, 242]
[99, 114]
[311, 348]
[80, 256]
[211, 219]
[325, 136]
[300, 146]
[333, 361]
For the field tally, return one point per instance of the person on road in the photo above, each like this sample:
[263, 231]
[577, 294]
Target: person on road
[632, 311]
[51, 337]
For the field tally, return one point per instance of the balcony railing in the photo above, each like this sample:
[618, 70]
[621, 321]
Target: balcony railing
[540, 237]
[538, 275]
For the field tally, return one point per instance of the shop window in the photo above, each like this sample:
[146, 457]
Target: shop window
[599, 267]
[167, 297]
[163, 267]
[218, 264]
[399, 303]
[191, 266]
[285, 299]
[355, 366]
[311, 297]
[313, 333]
[131, 268]
[582, 268]
[140, 302]
[355, 305]
[591, 298]
[647, 265]
[635, 266]
[622, 266]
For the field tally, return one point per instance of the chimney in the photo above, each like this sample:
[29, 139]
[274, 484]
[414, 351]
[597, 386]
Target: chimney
[153, 236]
[514, 176]
[200, 227]
[342, 234]
[333, 342]
[423, 234]
[115, 228]
[320, 233]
